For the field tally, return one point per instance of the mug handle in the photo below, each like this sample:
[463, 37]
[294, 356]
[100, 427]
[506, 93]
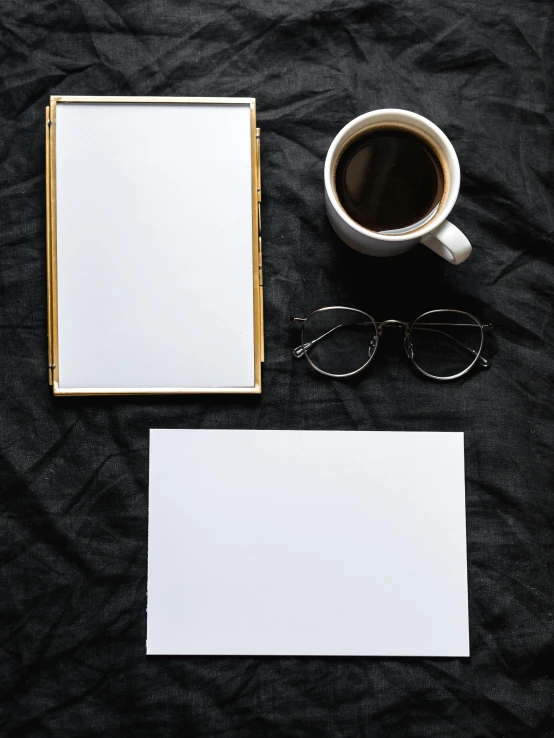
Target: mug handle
[449, 242]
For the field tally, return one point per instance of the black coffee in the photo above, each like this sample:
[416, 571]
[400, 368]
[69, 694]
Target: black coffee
[389, 179]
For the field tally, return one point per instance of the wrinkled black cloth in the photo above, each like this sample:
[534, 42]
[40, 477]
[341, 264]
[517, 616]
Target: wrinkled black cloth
[74, 491]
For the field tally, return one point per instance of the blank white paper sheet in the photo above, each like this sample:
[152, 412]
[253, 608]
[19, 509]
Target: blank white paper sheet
[307, 543]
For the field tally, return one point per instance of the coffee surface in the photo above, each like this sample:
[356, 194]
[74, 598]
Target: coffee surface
[389, 179]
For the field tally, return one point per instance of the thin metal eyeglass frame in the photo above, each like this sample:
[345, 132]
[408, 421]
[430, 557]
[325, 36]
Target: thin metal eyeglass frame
[302, 350]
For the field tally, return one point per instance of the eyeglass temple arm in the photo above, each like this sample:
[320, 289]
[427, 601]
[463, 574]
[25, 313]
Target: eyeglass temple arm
[485, 326]
[299, 351]
[481, 359]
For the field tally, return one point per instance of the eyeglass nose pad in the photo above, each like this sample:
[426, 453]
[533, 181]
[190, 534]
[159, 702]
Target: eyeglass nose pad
[409, 348]
[372, 346]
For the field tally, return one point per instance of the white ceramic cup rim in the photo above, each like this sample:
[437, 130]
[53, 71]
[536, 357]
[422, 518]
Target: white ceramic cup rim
[395, 115]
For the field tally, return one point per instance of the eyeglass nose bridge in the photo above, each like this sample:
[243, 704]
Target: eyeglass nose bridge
[392, 324]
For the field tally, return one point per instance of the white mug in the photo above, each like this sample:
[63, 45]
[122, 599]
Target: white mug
[438, 234]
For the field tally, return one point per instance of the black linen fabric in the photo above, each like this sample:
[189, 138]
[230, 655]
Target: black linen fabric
[74, 471]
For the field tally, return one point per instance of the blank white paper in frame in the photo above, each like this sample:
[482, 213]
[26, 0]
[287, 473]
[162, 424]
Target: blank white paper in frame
[154, 246]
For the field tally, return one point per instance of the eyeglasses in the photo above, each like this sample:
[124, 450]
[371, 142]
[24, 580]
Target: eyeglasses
[442, 344]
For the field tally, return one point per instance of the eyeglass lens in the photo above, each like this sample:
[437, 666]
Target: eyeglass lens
[339, 341]
[445, 343]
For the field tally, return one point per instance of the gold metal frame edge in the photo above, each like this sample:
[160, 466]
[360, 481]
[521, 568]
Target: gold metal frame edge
[151, 99]
[130, 391]
[53, 252]
[259, 245]
[48, 251]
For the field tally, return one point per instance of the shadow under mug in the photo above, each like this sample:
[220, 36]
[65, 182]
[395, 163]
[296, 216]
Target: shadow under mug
[438, 234]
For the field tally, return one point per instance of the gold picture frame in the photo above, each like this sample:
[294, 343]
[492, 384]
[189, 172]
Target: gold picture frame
[51, 247]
